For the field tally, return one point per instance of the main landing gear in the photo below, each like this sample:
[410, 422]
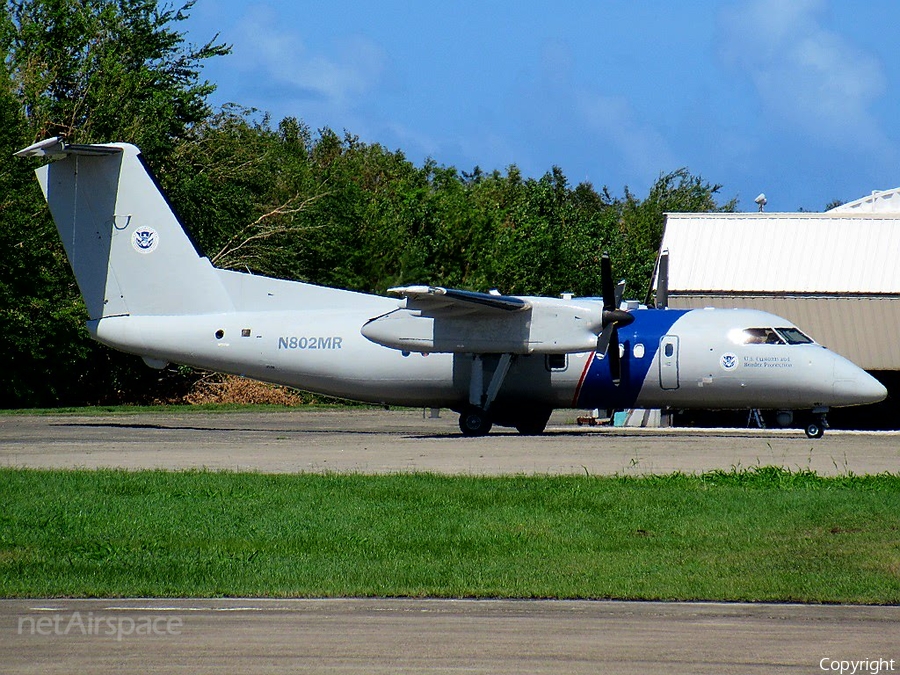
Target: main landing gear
[480, 415]
[474, 421]
[527, 420]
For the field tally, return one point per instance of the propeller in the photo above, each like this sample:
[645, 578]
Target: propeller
[662, 281]
[612, 319]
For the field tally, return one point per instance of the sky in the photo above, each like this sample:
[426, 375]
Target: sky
[797, 99]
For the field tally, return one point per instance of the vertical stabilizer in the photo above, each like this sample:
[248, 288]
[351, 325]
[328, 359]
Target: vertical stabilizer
[129, 252]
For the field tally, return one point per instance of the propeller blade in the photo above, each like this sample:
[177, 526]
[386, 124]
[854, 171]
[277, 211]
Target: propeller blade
[604, 338]
[662, 281]
[620, 292]
[612, 296]
[607, 287]
[615, 361]
[611, 319]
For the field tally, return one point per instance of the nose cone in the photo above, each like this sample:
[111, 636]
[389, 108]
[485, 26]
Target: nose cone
[854, 386]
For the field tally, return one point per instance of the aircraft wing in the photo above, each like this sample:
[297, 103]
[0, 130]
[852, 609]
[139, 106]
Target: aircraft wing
[436, 319]
[438, 301]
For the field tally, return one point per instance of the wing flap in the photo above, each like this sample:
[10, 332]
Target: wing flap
[436, 300]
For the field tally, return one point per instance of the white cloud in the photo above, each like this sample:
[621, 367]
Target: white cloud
[644, 150]
[600, 126]
[809, 79]
[352, 69]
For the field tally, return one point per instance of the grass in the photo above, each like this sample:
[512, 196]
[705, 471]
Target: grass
[762, 534]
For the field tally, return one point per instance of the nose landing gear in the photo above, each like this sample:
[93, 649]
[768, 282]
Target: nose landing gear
[816, 428]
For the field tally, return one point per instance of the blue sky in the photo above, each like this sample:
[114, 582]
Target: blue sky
[794, 98]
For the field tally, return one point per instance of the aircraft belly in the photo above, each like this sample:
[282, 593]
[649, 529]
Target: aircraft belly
[325, 354]
[375, 374]
[328, 355]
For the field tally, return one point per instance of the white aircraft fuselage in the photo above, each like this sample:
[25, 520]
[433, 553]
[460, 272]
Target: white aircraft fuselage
[495, 359]
[323, 351]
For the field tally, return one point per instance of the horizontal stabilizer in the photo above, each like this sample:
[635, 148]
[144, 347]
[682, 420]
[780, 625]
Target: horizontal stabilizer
[56, 147]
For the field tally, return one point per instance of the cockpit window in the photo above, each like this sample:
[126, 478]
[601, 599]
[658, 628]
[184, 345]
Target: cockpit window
[769, 336]
[794, 336]
[756, 336]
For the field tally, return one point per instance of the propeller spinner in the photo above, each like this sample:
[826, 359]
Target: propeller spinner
[612, 319]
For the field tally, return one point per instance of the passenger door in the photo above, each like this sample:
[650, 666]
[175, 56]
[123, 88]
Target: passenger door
[668, 362]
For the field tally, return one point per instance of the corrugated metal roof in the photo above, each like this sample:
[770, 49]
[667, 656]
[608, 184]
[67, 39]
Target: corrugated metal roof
[832, 252]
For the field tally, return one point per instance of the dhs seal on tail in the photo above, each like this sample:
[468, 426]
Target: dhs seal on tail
[145, 240]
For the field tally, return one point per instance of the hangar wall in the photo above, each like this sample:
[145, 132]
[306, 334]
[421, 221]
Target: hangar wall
[864, 330]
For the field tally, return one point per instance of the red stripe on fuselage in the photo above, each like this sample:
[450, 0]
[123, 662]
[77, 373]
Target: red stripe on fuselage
[587, 365]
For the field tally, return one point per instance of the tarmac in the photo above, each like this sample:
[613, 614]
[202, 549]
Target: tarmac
[441, 636]
[429, 635]
[376, 441]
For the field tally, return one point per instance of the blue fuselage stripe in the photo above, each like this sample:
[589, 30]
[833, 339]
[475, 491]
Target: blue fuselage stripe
[597, 389]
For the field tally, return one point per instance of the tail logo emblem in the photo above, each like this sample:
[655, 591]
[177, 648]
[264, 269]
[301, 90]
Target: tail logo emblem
[145, 240]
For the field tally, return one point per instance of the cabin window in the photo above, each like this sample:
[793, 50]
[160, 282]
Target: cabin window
[638, 351]
[669, 349]
[794, 336]
[557, 362]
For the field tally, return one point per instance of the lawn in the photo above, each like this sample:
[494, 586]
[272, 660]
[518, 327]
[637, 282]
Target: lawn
[762, 534]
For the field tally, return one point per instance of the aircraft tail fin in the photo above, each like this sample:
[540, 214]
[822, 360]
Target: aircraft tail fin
[128, 250]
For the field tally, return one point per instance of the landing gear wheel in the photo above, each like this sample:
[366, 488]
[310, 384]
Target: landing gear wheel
[534, 423]
[531, 427]
[474, 422]
[815, 430]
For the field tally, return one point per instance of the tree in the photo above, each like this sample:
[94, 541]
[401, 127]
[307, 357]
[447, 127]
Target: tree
[243, 187]
[93, 70]
[642, 221]
[101, 70]
[282, 201]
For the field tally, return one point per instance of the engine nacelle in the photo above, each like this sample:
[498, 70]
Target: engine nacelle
[546, 326]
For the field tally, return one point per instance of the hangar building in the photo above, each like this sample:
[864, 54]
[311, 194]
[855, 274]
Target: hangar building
[835, 274]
